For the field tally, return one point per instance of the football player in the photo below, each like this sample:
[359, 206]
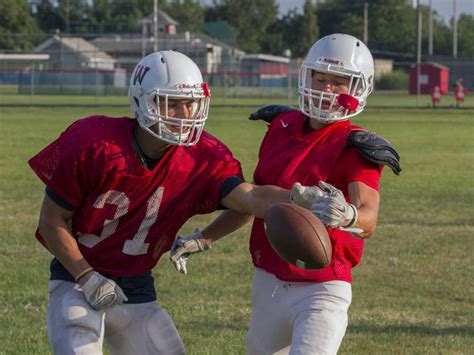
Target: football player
[297, 310]
[117, 192]
[459, 91]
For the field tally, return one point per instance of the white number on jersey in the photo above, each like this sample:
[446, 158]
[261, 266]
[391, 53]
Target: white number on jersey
[136, 245]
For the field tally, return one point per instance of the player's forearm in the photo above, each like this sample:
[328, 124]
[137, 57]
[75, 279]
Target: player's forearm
[61, 243]
[366, 220]
[367, 202]
[63, 246]
[262, 197]
[253, 199]
[227, 222]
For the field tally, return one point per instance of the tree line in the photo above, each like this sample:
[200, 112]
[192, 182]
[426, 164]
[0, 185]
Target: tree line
[260, 27]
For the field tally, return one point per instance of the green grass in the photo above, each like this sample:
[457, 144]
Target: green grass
[241, 96]
[412, 293]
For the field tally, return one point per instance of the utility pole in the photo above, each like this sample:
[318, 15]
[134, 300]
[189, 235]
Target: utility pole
[155, 25]
[455, 31]
[144, 39]
[430, 30]
[68, 11]
[366, 23]
[418, 52]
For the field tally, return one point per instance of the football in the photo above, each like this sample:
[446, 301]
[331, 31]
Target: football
[298, 236]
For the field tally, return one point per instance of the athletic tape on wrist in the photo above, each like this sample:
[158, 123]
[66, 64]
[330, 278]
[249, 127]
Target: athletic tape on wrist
[83, 273]
[354, 219]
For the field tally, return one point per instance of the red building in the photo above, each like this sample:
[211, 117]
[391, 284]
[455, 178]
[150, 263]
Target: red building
[265, 70]
[431, 75]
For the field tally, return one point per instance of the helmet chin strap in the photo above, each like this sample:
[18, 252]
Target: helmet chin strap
[172, 136]
[164, 134]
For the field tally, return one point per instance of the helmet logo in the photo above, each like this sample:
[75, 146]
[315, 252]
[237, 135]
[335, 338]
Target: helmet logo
[140, 73]
[331, 61]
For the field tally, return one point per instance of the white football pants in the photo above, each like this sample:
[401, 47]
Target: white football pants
[74, 327]
[297, 317]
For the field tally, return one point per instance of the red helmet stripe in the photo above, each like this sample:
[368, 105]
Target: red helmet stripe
[205, 88]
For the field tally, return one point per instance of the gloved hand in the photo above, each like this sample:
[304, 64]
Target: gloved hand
[102, 292]
[184, 246]
[332, 209]
[305, 196]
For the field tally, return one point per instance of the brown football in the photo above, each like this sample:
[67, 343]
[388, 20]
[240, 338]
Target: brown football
[298, 236]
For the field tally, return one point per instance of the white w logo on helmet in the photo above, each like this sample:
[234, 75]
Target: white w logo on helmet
[139, 73]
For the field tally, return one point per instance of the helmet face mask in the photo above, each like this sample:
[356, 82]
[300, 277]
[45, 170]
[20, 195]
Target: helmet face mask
[163, 86]
[342, 57]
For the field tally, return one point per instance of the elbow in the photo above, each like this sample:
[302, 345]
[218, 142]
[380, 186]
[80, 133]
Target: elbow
[367, 221]
[367, 233]
[51, 224]
[45, 228]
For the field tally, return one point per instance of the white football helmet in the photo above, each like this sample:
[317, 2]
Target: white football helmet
[163, 76]
[342, 55]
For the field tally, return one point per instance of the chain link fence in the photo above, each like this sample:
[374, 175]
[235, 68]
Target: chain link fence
[100, 66]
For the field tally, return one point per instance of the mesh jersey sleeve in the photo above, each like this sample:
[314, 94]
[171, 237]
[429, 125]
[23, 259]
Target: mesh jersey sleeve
[228, 167]
[69, 166]
[352, 167]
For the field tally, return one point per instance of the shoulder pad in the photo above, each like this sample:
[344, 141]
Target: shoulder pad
[376, 149]
[269, 112]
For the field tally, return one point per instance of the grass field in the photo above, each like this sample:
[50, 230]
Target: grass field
[412, 293]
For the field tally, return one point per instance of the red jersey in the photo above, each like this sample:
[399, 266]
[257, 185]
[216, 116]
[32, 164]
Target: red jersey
[126, 216]
[293, 152]
[459, 92]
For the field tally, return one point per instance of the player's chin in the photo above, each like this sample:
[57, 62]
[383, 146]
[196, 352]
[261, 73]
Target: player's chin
[178, 130]
[322, 106]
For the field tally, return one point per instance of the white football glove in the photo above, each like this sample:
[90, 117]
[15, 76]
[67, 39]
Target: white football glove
[333, 210]
[102, 292]
[183, 247]
[305, 196]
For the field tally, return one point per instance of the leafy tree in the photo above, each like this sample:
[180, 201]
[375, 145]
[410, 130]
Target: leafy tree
[101, 16]
[214, 12]
[47, 16]
[291, 29]
[391, 22]
[292, 32]
[69, 16]
[126, 13]
[252, 19]
[310, 26]
[396, 80]
[15, 18]
[189, 14]
[392, 26]
[442, 35]
[466, 36]
[273, 43]
[74, 15]
[334, 16]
